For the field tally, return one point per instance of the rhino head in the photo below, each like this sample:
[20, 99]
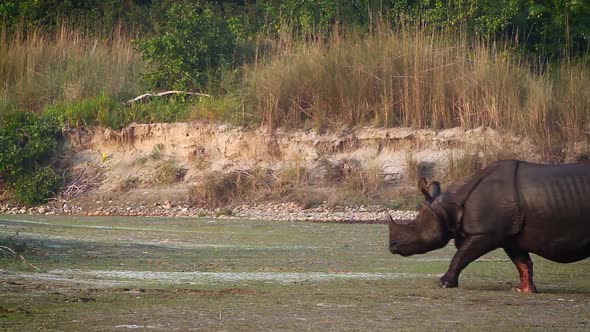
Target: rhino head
[431, 229]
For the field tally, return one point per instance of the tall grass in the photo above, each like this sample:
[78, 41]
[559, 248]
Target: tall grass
[386, 77]
[419, 78]
[39, 68]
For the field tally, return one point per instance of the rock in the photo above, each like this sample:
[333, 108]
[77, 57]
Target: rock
[42, 210]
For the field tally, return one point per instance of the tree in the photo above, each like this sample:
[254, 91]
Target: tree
[193, 47]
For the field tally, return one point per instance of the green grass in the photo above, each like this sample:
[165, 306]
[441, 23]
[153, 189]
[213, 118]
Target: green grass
[79, 297]
[106, 111]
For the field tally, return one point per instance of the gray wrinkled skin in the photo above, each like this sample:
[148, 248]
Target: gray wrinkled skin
[518, 206]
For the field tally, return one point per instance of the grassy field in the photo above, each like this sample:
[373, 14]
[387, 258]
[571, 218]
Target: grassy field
[204, 274]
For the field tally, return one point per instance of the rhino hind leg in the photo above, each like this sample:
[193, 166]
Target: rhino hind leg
[470, 248]
[524, 265]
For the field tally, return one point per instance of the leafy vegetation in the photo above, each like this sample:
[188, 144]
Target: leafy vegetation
[106, 111]
[26, 144]
[546, 27]
[37, 187]
[194, 46]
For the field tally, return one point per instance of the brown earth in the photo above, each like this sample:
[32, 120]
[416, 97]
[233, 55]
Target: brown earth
[147, 164]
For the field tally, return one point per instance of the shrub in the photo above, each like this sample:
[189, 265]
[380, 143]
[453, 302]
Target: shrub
[38, 187]
[195, 44]
[26, 142]
[365, 182]
[169, 172]
[219, 189]
[128, 184]
[108, 112]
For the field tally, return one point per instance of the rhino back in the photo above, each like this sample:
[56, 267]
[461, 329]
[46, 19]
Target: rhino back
[555, 193]
[492, 206]
[556, 207]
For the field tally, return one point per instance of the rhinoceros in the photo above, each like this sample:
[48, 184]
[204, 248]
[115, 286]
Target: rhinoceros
[518, 206]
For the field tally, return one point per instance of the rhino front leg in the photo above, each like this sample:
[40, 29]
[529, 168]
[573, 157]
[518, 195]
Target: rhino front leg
[470, 249]
[524, 265]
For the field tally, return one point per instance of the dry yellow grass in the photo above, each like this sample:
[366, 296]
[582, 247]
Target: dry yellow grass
[412, 77]
[38, 68]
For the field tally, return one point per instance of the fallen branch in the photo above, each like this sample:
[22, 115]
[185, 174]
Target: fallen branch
[84, 181]
[165, 93]
[4, 248]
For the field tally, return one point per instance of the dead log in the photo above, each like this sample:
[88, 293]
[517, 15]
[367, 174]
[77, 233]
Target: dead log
[165, 93]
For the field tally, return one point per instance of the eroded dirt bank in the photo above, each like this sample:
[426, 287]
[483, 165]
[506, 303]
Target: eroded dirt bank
[167, 169]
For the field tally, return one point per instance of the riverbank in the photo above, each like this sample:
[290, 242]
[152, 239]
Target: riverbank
[201, 169]
[268, 211]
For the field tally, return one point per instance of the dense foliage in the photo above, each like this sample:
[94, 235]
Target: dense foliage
[195, 46]
[36, 188]
[545, 27]
[27, 142]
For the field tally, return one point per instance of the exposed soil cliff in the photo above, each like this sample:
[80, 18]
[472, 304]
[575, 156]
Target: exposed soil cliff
[154, 163]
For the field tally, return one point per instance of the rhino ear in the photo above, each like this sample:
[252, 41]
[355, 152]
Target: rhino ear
[434, 189]
[423, 186]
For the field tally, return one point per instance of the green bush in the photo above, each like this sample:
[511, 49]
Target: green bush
[193, 48]
[27, 141]
[36, 188]
[547, 28]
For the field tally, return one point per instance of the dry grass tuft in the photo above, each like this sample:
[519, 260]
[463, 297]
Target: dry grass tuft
[415, 170]
[366, 182]
[39, 68]
[218, 189]
[157, 151]
[460, 165]
[127, 184]
[168, 172]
